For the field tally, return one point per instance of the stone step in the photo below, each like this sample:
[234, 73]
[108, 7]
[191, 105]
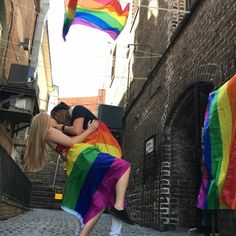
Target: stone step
[49, 173]
[43, 198]
[46, 205]
[43, 195]
[47, 178]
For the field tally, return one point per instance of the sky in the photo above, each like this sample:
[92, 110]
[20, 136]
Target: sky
[79, 65]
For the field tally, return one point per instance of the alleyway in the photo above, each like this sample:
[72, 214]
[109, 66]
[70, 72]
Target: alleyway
[41, 222]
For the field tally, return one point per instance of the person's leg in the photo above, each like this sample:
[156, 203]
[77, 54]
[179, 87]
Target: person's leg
[121, 187]
[87, 228]
[116, 226]
[119, 210]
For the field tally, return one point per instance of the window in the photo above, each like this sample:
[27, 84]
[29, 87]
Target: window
[177, 17]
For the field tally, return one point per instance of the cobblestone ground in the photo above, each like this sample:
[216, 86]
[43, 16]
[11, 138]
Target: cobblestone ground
[42, 222]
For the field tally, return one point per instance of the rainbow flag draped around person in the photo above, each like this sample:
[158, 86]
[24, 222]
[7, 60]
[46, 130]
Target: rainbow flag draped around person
[91, 181]
[105, 15]
[218, 188]
[104, 140]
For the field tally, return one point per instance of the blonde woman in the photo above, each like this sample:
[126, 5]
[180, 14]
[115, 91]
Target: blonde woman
[95, 180]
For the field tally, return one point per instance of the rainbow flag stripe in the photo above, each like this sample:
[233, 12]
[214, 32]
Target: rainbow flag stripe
[105, 15]
[92, 177]
[218, 188]
[104, 140]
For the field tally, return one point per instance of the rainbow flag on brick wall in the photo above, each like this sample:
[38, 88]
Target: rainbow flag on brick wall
[105, 15]
[218, 188]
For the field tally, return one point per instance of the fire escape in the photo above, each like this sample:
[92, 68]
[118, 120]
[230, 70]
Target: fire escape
[19, 96]
[18, 104]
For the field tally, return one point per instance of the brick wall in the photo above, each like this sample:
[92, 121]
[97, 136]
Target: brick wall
[203, 51]
[226, 221]
[20, 24]
[5, 137]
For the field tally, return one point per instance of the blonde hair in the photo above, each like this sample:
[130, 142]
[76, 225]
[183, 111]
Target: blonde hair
[36, 149]
[61, 116]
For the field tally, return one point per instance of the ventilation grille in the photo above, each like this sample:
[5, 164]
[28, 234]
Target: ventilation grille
[111, 115]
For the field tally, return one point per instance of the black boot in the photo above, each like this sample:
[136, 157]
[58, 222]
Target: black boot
[121, 215]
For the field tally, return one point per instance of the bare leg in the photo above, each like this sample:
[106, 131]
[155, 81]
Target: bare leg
[86, 230]
[121, 187]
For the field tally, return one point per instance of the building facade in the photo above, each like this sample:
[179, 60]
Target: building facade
[190, 54]
[92, 103]
[25, 86]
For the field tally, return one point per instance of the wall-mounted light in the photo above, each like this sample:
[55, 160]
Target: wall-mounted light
[25, 45]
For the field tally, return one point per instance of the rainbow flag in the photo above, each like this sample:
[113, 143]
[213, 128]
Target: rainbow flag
[92, 177]
[105, 15]
[104, 140]
[218, 188]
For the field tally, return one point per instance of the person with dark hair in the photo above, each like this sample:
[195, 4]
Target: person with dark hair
[73, 121]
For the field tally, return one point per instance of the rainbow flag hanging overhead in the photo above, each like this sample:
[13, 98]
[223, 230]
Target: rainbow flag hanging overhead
[105, 15]
[218, 188]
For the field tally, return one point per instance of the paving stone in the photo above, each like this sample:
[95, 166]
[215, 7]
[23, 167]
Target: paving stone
[44, 222]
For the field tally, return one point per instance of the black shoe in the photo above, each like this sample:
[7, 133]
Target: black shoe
[122, 215]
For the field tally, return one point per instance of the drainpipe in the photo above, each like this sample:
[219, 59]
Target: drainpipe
[38, 36]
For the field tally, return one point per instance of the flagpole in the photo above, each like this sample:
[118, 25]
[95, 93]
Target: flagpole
[165, 9]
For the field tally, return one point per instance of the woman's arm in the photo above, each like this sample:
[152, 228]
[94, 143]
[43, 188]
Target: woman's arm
[57, 137]
[76, 128]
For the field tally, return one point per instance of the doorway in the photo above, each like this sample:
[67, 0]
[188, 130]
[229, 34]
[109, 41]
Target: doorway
[185, 142]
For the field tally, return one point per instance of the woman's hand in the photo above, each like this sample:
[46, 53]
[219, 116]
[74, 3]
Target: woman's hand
[93, 125]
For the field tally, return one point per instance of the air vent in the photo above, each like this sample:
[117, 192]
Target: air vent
[111, 115]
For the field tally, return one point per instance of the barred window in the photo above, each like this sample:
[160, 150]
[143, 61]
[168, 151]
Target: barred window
[177, 16]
